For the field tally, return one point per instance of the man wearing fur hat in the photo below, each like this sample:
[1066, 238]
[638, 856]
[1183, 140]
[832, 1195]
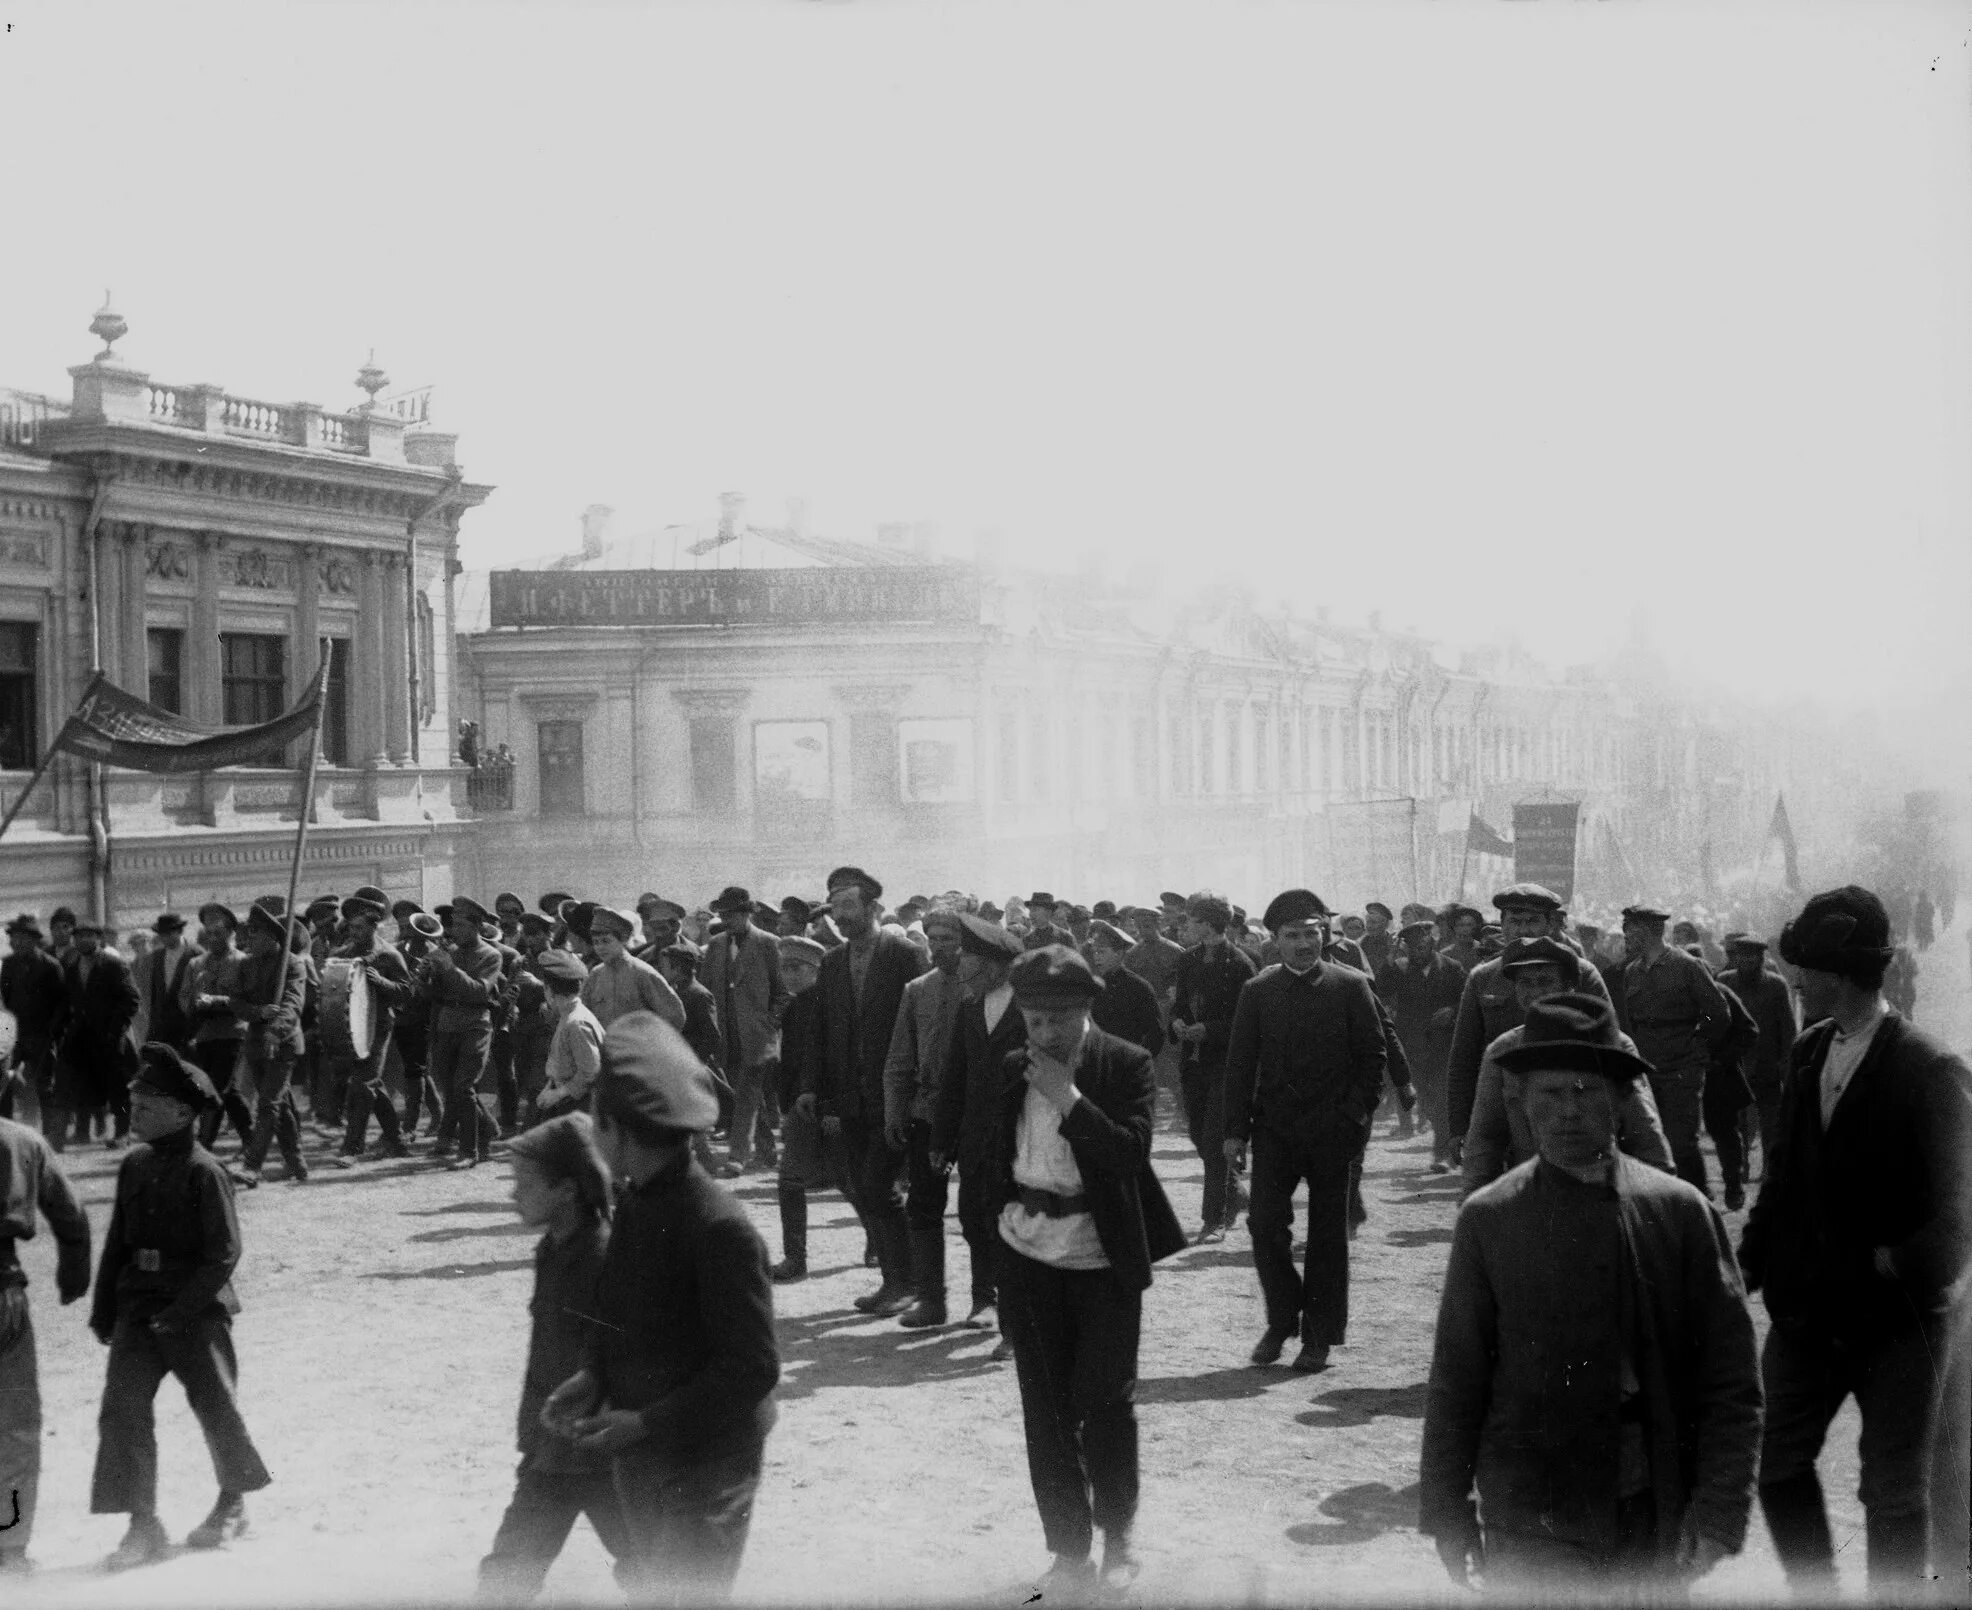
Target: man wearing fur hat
[678, 1387]
[1593, 1376]
[164, 1305]
[31, 1184]
[1304, 1071]
[1861, 1241]
[1082, 1218]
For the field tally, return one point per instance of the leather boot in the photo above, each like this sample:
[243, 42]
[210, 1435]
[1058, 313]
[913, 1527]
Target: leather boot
[794, 1235]
[928, 1275]
[893, 1246]
[1797, 1519]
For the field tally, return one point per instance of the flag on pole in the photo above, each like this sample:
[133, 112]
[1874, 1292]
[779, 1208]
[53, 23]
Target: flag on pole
[1781, 828]
[1481, 839]
[120, 729]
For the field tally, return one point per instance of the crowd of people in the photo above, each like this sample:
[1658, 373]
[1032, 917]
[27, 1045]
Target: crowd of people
[1597, 1408]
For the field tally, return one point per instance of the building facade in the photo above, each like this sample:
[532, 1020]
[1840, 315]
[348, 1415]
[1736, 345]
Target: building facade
[197, 547]
[792, 703]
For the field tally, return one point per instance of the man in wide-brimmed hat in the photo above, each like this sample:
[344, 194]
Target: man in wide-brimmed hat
[1593, 1381]
[1861, 1241]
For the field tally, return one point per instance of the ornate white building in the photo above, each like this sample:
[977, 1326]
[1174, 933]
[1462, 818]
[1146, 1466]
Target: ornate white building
[197, 546]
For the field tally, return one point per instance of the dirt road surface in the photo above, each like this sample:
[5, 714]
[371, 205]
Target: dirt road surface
[381, 1342]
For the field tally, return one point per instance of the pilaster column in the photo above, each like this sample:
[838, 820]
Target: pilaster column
[306, 644]
[108, 602]
[397, 661]
[367, 675]
[202, 652]
[136, 645]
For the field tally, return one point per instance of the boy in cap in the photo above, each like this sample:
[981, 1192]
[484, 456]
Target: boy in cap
[1593, 1373]
[1127, 1007]
[813, 1155]
[268, 997]
[1861, 1240]
[1081, 1220]
[678, 1386]
[32, 988]
[575, 1053]
[164, 1305]
[31, 1182]
[621, 982]
[562, 1188]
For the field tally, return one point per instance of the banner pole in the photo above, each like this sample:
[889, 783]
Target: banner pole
[307, 800]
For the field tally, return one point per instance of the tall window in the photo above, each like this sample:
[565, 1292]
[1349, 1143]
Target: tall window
[561, 768]
[714, 770]
[18, 745]
[166, 646]
[253, 669]
[335, 705]
[873, 761]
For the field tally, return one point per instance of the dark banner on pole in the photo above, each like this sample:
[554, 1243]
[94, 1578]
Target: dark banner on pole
[1544, 846]
[120, 729]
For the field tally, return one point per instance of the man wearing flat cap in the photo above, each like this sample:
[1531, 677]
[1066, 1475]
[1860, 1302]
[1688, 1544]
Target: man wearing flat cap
[678, 1387]
[1304, 1071]
[1041, 908]
[1770, 1003]
[464, 979]
[1487, 1005]
[1593, 1377]
[31, 1184]
[742, 970]
[1127, 1008]
[1498, 1137]
[1210, 976]
[33, 989]
[96, 1058]
[621, 982]
[164, 1305]
[662, 922]
[858, 994]
[1422, 987]
[964, 1120]
[1861, 1241]
[1081, 1221]
[1671, 1006]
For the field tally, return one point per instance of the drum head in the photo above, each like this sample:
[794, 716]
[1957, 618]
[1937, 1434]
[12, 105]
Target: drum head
[359, 1014]
[10, 1031]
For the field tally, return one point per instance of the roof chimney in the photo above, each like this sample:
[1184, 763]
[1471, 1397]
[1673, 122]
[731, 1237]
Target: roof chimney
[732, 514]
[595, 521]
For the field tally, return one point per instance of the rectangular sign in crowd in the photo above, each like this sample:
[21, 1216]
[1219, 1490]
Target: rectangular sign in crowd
[1544, 846]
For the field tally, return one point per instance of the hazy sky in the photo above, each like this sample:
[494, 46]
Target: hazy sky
[1492, 316]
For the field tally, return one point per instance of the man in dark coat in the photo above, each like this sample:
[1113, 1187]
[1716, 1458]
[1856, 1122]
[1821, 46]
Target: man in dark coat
[965, 1118]
[33, 989]
[1422, 987]
[678, 1388]
[97, 1058]
[1127, 1007]
[813, 1156]
[361, 1079]
[1593, 1373]
[1861, 1240]
[742, 969]
[1487, 1006]
[1304, 1071]
[1210, 976]
[1081, 1220]
[859, 991]
[1771, 1003]
[1671, 1006]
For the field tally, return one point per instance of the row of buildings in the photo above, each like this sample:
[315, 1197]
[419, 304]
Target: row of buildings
[730, 701]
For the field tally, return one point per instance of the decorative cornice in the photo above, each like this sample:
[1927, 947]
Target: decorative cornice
[558, 705]
[873, 698]
[711, 701]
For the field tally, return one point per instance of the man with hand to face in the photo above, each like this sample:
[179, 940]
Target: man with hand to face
[1304, 1071]
[1593, 1377]
[1081, 1220]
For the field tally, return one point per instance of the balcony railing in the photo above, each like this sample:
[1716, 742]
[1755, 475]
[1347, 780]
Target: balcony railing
[490, 788]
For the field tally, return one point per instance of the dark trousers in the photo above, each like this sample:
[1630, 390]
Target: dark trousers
[1898, 1384]
[366, 1094]
[1315, 1302]
[1768, 1102]
[220, 1061]
[928, 1189]
[753, 1114]
[1430, 1077]
[506, 1080]
[420, 1093]
[458, 1067]
[979, 1222]
[684, 1524]
[36, 1064]
[539, 1517]
[1721, 1112]
[1204, 1088]
[270, 1075]
[1681, 1106]
[1074, 1334]
[531, 1070]
[326, 1079]
[880, 1196]
[201, 1356]
[1529, 1566]
[20, 1412]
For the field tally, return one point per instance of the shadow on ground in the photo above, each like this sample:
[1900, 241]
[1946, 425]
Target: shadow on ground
[453, 1271]
[1359, 1405]
[1211, 1386]
[1431, 1236]
[850, 1349]
[1358, 1515]
[460, 1232]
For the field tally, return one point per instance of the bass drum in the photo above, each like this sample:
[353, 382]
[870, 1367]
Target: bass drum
[10, 1033]
[345, 1010]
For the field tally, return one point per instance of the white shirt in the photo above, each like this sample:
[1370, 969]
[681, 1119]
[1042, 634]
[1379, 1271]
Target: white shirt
[994, 1004]
[1044, 1161]
[1845, 1054]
